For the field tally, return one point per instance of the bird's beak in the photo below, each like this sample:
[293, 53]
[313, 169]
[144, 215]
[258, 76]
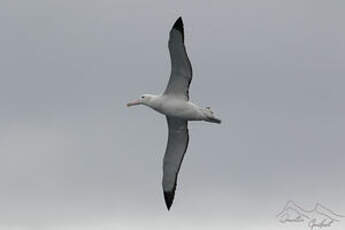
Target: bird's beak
[137, 102]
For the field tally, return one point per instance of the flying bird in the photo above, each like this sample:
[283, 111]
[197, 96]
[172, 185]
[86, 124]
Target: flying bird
[175, 105]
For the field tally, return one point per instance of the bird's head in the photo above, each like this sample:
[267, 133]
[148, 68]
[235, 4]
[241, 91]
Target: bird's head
[144, 99]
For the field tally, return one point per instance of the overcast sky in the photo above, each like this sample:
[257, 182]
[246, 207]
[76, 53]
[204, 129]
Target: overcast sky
[72, 156]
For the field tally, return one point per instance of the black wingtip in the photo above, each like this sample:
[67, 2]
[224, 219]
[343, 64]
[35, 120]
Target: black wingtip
[169, 198]
[178, 25]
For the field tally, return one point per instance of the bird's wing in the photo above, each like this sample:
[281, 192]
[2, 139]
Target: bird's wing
[177, 145]
[181, 68]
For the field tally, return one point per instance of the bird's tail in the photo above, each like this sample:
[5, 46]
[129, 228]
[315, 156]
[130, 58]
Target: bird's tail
[214, 120]
[210, 116]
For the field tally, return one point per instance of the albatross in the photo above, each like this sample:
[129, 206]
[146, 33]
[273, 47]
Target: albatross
[175, 105]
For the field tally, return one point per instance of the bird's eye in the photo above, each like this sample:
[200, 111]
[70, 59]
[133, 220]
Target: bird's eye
[142, 97]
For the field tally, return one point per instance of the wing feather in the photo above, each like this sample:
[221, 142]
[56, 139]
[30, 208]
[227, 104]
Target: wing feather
[181, 68]
[176, 148]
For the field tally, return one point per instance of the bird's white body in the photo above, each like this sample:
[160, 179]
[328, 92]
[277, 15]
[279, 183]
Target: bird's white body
[175, 107]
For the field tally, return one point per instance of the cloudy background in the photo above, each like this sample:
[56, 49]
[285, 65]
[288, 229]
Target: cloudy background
[72, 156]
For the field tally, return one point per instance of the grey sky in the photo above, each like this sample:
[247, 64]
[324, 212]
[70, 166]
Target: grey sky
[72, 156]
